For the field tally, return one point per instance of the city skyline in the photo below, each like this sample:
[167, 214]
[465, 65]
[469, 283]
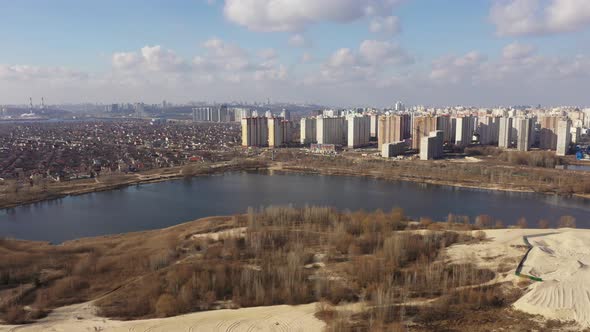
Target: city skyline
[369, 52]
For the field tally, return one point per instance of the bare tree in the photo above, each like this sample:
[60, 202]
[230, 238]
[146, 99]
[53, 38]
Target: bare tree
[543, 224]
[567, 222]
[522, 223]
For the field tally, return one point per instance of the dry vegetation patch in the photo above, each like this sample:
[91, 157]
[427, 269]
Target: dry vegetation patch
[395, 267]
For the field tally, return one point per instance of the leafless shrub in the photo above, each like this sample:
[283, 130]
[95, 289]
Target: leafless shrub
[567, 222]
[522, 223]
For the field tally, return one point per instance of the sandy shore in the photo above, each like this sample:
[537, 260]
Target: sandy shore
[560, 257]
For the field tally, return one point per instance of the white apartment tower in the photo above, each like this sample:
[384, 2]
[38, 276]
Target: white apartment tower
[331, 130]
[359, 128]
[308, 131]
[255, 132]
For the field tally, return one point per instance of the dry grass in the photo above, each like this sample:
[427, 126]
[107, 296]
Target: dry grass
[286, 256]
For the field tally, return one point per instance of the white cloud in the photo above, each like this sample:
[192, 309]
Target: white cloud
[29, 73]
[380, 52]
[517, 51]
[374, 73]
[388, 25]
[343, 57]
[454, 69]
[518, 68]
[530, 17]
[271, 74]
[298, 40]
[295, 15]
[372, 60]
[268, 54]
[125, 60]
[149, 58]
[224, 56]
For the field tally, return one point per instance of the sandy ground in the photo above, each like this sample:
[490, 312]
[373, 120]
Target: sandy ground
[233, 232]
[81, 317]
[562, 260]
[560, 257]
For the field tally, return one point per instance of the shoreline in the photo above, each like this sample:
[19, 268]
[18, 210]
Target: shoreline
[221, 168]
[374, 175]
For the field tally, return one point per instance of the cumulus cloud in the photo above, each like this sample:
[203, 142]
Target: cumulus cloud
[366, 74]
[153, 58]
[295, 15]
[454, 69]
[530, 17]
[517, 50]
[518, 67]
[377, 52]
[348, 66]
[343, 57]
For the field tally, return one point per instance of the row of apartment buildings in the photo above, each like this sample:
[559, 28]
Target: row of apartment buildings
[353, 131]
[554, 132]
[266, 131]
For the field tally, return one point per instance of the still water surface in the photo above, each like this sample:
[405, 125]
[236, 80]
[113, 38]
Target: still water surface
[163, 204]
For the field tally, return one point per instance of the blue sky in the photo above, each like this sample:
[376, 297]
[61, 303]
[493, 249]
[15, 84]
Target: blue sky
[436, 53]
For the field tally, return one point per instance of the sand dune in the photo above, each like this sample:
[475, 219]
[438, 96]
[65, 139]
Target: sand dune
[560, 257]
[562, 260]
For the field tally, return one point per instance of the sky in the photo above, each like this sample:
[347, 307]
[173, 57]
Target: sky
[330, 52]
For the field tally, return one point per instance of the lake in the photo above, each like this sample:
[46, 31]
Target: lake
[158, 205]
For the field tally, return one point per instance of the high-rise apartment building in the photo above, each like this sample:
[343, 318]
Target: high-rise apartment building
[255, 131]
[488, 128]
[331, 130]
[421, 127]
[286, 114]
[359, 131]
[563, 137]
[548, 132]
[211, 114]
[505, 134]
[393, 128]
[444, 124]
[276, 132]
[308, 131]
[374, 132]
[240, 113]
[431, 146]
[464, 130]
[524, 132]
